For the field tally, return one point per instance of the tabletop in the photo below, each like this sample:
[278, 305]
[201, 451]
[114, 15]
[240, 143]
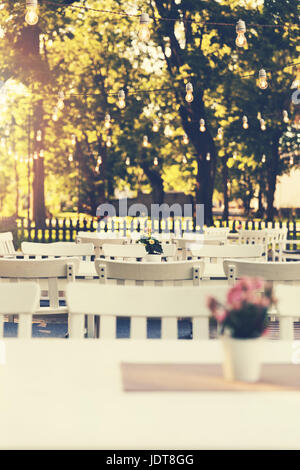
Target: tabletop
[68, 394]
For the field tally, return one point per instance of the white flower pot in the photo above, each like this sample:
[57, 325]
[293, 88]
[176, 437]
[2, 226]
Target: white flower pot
[153, 258]
[242, 359]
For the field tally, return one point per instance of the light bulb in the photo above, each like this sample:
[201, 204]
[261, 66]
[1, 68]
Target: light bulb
[35, 156]
[39, 136]
[155, 126]
[145, 141]
[220, 133]
[234, 155]
[107, 121]
[189, 92]
[291, 160]
[263, 159]
[155, 161]
[2, 32]
[144, 33]
[121, 99]
[262, 125]
[185, 139]
[285, 116]
[16, 157]
[31, 16]
[55, 114]
[108, 141]
[60, 105]
[245, 122]
[259, 116]
[262, 79]
[241, 40]
[73, 139]
[202, 125]
[41, 154]
[99, 160]
[208, 156]
[184, 159]
[70, 158]
[127, 161]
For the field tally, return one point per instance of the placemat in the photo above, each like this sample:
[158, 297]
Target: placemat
[205, 378]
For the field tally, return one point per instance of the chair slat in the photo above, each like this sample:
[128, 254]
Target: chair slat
[138, 327]
[169, 328]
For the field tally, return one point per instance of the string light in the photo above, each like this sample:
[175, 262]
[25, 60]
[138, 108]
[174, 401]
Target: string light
[189, 92]
[41, 154]
[184, 159]
[262, 79]
[220, 133]
[55, 114]
[241, 40]
[73, 139]
[245, 122]
[292, 160]
[285, 116]
[108, 141]
[107, 121]
[39, 136]
[2, 32]
[99, 160]
[202, 125]
[168, 131]
[144, 32]
[70, 158]
[155, 161]
[31, 16]
[60, 103]
[259, 116]
[185, 139]
[155, 126]
[262, 125]
[208, 156]
[263, 159]
[35, 156]
[121, 99]
[145, 141]
[296, 82]
[127, 161]
[234, 155]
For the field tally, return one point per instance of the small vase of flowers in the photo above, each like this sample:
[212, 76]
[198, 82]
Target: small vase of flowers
[243, 321]
[152, 247]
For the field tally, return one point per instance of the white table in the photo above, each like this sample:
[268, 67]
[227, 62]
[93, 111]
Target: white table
[68, 394]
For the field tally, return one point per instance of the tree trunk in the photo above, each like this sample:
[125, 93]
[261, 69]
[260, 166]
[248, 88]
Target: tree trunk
[157, 183]
[39, 210]
[225, 190]
[272, 172]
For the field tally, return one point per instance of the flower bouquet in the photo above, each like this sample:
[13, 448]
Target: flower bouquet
[152, 245]
[242, 321]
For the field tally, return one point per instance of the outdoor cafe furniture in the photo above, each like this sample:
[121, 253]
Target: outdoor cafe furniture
[58, 394]
[136, 251]
[219, 253]
[140, 303]
[58, 249]
[7, 244]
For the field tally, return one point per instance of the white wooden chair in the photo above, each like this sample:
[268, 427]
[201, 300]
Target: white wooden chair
[254, 237]
[7, 244]
[270, 271]
[20, 299]
[99, 242]
[139, 303]
[47, 272]
[288, 309]
[171, 273]
[277, 237]
[135, 251]
[63, 249]
[219, 253]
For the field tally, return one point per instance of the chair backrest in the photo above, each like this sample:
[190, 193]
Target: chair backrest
[123, 251]
[58, 249]
[168, 303]
[252, 237]
[19, 299]
[50, 269]
[158, 272]
[227, 251]
[270, 271]
[216, 232]
[99, 242]
[6, 244]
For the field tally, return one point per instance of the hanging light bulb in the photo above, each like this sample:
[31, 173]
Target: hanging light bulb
[262, 125]
[245, 122]
[16, 157]
[55, 114]
[240, 28]
[41, 154]
[220, 133]
[259, 116]
[99, 160]
[155, 126]
[121, 99]
[35, 156]
[185, 139]
[144, 33]
[184, 159]
[208, 156]
[262, 79]
[296, 82]
[70, 157]
[108, 141]
[234, 155]
[2, 32]
[155, 161]
[292, 160]
[285, 116]
[31, 16]
[145, 141]
[127, 161]
[189, 92]
[168, 131]
[202, 125]
[107, 121]
[39, 136]
[263, 159]
[73, 139]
